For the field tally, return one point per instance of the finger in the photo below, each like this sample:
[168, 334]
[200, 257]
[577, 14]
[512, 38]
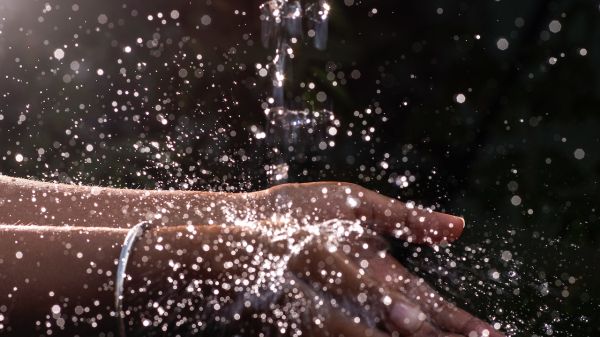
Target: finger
[443, 313]
[397, 312]
[425, 329]
[475, 326]
[330, 321]
[414, 224]
[408, 319]
[328, 200]
[339, 325]
[340, 276]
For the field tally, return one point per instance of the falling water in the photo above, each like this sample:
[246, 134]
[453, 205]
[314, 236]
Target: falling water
[293, 132]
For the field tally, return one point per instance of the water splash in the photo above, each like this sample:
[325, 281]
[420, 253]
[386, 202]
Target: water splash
[485, 278]
[255, 289]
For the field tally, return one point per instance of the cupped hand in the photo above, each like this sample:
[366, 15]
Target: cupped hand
[335, 200]
[290, 277]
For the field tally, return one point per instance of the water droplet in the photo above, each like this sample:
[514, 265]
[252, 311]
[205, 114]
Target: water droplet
[515, 200]
[579, 154]
[502, 43]
[102, 19]
[506, 255]
[59, 54]
[554, 26]
[206, 19]
[321, 96]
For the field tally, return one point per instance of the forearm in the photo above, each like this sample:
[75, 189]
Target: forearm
[51, 276]
[25, 201]
[63, 279]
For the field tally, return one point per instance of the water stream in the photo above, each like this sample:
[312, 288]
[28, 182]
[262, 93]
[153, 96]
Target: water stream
[293, 133]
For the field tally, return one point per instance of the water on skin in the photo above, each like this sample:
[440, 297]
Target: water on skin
[457, 270]
[265, 299]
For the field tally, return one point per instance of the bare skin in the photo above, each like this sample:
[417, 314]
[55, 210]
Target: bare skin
[352, 289]
[30, 202]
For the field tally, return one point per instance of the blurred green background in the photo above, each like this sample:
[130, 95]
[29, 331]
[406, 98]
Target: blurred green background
[487, 109]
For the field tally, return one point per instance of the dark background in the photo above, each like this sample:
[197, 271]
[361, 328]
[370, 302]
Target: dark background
[530, 111]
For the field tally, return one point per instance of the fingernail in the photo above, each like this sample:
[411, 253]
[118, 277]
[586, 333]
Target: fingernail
[457, 222]
[457, 226]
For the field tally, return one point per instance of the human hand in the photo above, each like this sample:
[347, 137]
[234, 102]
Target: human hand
[61, 204]
[288, 278]
[333, 200]
[336, 200]
[314, 203]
